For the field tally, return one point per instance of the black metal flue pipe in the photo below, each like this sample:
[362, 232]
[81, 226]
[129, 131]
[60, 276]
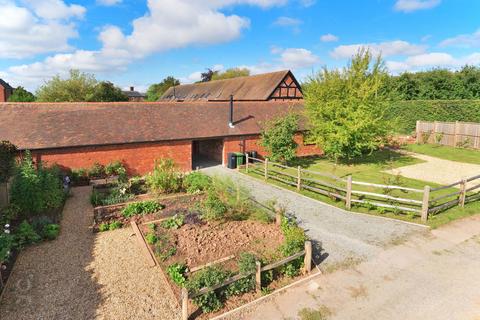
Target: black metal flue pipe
[230, 122]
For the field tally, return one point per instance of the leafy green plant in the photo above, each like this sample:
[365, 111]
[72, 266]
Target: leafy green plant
[425, 136]
[278, 137]
[292, 269]
[8, 151]
[240, 286]
[7, 244]
[294, 237]
[96, 171]
[116, 168]
[25, 235]
[208, 277]
[164, 249]
[114, 225]
[136, 185]
[246, 263]
[176, 272]
[9, 213]
[196, 182]
[439, 137]
[50, 231]
[103, 227]
[141, 208]
[174, 222]
[165, 178]
[151, 238]
[213, 207]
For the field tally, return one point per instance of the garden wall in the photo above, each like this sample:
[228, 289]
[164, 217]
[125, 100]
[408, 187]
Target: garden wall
[252, 143]
[138, 158]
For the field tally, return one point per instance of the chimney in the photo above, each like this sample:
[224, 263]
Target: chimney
[230, 121]
[132, 89]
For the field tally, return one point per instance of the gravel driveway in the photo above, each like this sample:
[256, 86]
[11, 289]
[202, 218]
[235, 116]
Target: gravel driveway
[438, 170]
[82, 275]
[343, 235]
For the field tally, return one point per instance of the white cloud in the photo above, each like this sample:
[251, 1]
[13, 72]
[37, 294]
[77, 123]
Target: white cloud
[386, 49]
[307, 3]
[329, 38]
[55, 9]
[414, 5]
[108, 3]
[288, 23]
[31, 30]
[168, 24]
[433, 60]
[297, 58]
[463, 40]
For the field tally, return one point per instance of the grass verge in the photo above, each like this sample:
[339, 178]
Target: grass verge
[446, 153]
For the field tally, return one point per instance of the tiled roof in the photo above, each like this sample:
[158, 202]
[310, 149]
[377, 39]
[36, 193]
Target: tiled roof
[250, 88]
[134, 94]
[56, 125]
[5, 84]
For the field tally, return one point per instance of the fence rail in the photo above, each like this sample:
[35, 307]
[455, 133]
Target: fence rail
[453, 134]
[430, 200]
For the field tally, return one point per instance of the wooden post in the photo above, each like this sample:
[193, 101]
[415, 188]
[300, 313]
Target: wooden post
[348, 198]
[308, 256]
[266, 169]
[425, 203]
[184, 304]
[299, 178]
[258, 276]
[463, 188]
[455, 135]
[247, 160]
[278, 216]
[419, 133]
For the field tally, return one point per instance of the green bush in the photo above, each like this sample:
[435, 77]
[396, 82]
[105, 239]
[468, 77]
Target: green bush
[176, 272]
[25, 235]
[174, 222]
[118, 169]
[96, 171]
[240, 287]
[50, 231]
[208, 277]
[7, 243]
[246, 263]
[404, 114]
[294, 237]
[165, 178]
[151, 238]
[196, 182]
[213, 207]
[9, 213]
[8, 152]
[35, 190]
[141, 208]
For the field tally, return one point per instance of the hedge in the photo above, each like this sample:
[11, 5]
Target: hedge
[404, 114]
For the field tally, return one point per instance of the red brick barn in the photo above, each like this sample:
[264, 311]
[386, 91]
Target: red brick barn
[5, 91]
[76, 135]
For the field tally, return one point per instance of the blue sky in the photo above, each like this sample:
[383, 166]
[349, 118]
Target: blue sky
[141, 42]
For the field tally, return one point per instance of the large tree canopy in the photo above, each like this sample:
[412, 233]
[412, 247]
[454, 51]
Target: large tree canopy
[21, 95]
[345, 107]
[79, 86]
[156, 90]
[231, 73]
[278, 137]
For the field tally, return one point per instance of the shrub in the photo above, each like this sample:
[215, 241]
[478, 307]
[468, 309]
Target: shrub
[294, 237]
[176, 272]
[114, 225]
[79, 176]
[136, 185]
[25, 235]
[96, 171]
[246, 263]
[174, 222]
[36, 190]
[165, 178]
[116, 168]
[213, 208]
[278, 137]
[7, 243]
[8, 152]
[208, 277]
[96, 198]
[50, 231]
[196, 182]
[117, 194]
[9, 213]
[151, 238]
[240, 286]
[141, 208]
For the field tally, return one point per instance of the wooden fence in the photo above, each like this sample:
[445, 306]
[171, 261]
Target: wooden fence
[420, 202]
[4, 194]
[465, 134]
[307, 254]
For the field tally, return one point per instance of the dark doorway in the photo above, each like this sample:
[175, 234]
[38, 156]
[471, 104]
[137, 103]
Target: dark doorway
[207, 153]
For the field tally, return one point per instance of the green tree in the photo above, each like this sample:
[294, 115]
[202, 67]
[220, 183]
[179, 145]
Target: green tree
[345, 107]
[231, 73]
[8, 151]
[77, 87]
[105, 91]
[278, 137]
[156, 90]
[207, 75]
[21, 95]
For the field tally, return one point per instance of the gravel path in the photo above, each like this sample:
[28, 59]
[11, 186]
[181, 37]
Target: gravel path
[438, 170]
[434, 277]
[344, 235]
[86, 276]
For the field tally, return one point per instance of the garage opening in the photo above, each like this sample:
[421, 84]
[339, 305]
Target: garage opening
[207, 153]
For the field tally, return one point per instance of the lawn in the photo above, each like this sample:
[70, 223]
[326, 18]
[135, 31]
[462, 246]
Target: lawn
[445, 152]
[369, 169]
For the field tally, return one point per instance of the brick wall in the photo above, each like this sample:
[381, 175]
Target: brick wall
[252, 143]
[3, 93]
[138, 158]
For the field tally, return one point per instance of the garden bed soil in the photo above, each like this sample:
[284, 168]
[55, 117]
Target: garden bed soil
[174, 204]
